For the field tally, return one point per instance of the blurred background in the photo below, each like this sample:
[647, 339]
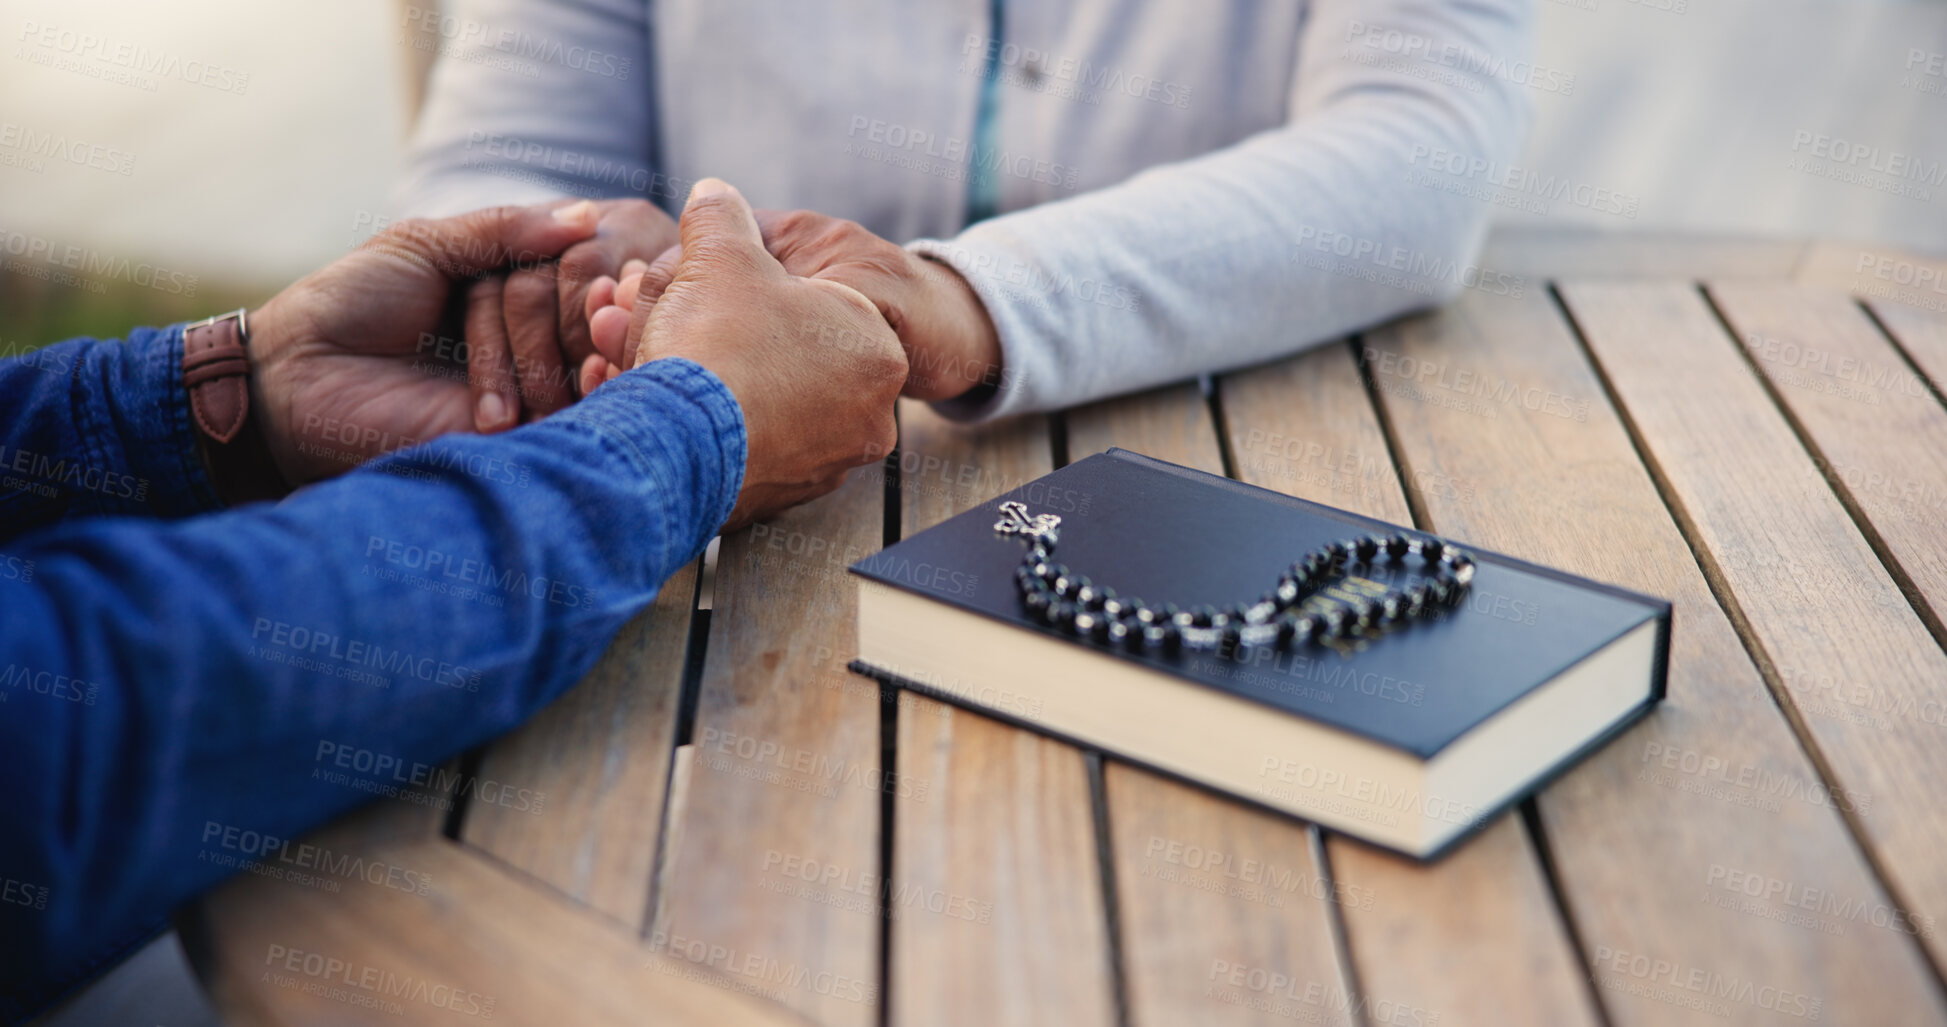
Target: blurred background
[272, 148]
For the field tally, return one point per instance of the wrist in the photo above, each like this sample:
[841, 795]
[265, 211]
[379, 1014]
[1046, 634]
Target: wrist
[972, 361]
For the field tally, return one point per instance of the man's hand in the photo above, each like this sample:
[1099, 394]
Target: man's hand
[950, 341]
[336, 377]
[811, 362]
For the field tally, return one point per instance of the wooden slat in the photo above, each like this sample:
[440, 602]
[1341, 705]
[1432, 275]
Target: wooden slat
[786, 766]
[597, 760]
[1854, 660]
[1540, 254]
[1496, 393]
[1171, 423]
[1879, 433]
[1882, 275]
[1922, 335]
[996, 893]
[481, 944]
[1475, 938]
[1185, 930]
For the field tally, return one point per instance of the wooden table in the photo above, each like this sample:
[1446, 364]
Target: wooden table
[737, 830]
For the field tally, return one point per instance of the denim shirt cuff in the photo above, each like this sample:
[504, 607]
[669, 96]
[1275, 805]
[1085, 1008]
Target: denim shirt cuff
[635, 411]
[156, 438]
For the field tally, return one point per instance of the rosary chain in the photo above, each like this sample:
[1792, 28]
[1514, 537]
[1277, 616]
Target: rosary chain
[1070, 602]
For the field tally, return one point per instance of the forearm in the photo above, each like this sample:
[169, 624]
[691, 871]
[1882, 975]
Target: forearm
[1286, 239]
[97, 427]
[530, 101]
[413, 608]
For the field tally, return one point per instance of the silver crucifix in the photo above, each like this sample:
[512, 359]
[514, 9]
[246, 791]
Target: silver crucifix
[1015, 521]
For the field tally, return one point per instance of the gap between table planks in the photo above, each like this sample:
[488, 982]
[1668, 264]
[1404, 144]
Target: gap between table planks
[1837, 639]
[1399, 916]
[1179, 940]
[1307, 427]
[1634, 843]
[785, 765]
[599, 759]
[1005, 826]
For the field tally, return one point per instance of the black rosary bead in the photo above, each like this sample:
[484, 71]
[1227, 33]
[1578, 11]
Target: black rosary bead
[1287, 593]
[1258, 634]
[1059, 597]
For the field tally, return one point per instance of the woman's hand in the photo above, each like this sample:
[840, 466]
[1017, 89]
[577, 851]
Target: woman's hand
[950, 342]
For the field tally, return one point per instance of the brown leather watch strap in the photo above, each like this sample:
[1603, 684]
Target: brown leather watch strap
[216, 371]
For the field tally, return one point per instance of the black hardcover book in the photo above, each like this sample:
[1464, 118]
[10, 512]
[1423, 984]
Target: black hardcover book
[1409, 738]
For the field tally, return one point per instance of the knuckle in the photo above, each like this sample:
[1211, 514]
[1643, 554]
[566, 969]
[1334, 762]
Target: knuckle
[795, 223]
[528, 290]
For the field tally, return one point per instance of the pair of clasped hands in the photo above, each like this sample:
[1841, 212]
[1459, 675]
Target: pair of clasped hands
[815, 324]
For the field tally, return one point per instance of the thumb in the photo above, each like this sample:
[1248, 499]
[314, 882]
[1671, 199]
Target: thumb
[718, 225]
[472, 244]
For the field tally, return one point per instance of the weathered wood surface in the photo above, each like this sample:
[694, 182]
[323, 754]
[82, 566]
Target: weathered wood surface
[1842, 649]
[1645, 835]
[1195, 939]
[995, 898]
[1873, 424]
[785, 766]
[1475, 938]
[480, 943]
[1614, 430]
[575, 796]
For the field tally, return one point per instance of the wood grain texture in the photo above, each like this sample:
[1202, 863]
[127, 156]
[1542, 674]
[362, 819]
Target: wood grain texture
[598, 758]
[482, 944]
[996, 893]
[1187, 926]
[1874, 425]
[786, 763]
[1496, 394]
[1852, 659]
[1171, 423]
[1880, 274]
[1475, 938]
[1002, 840]
[1922, 336]
[1637, 845]
[1542, 254]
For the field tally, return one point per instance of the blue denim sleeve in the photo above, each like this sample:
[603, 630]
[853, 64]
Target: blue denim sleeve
[168, 687]
[98, 427]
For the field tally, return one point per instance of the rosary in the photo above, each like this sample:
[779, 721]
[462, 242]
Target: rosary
[1062, 599]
